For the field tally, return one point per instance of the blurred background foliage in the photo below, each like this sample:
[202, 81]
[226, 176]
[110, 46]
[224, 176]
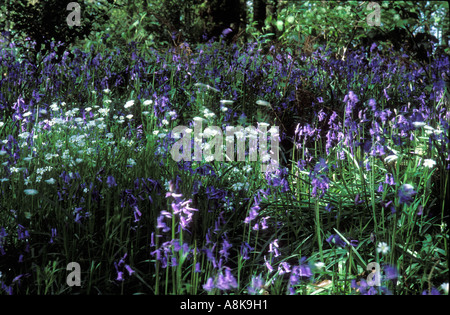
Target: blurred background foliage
[418, 27]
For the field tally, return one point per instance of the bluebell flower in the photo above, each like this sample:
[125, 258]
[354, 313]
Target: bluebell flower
[257, 283]
[433, 291]
[53, 234]
[373, 104]
[268, 265]
[284, 267]
[111, 181]
[230, 279]
[209, 285]
[406, 194]
[22, 233]
[225, 247]
[390, 272]
[253, 213]
[3, 235]
[128, 268]
[336, 239]
[226, 31]
[273, 248]
[245, 250]
[198, 267]
[329, 207]
[119, 276]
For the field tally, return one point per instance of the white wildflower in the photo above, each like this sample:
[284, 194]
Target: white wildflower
[247, 168]
[50, 181]
[265, 158]
[383, 248]
[319, 265]
[418, 124]
[54, 107]
[103, 111]
[444, 287]
[429, 163]
[210, 132]
[30, 192]
[24, 135]
[129, 104]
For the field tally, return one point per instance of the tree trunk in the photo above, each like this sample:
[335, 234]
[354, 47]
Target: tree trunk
[259, 13]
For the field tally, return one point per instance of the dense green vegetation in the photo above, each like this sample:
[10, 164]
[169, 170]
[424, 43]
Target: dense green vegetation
[87, 172]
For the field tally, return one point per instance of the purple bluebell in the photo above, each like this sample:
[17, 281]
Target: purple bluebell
[130, 271]
[111, 181]
[245, 250]
[257, 283]
[337, 240]
[406, 194]
[253, 213]
[53, 235]
[273, 248]
[209, 285]
[432, 291]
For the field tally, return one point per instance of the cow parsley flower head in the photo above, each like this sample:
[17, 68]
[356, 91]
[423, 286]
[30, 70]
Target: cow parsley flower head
[129, 104]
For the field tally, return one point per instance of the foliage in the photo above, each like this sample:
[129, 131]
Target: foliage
[87, 174]
[44, 22]
[342, 25]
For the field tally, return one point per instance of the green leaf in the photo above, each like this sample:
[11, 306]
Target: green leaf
[361, 260]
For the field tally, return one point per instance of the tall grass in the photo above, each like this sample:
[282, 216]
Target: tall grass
[87, 175]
